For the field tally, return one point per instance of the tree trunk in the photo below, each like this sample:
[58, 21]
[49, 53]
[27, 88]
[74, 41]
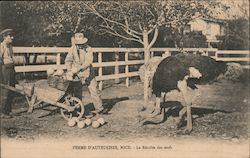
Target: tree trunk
[145, 45]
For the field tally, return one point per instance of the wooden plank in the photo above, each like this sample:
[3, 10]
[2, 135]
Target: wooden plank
[19, 89]
[117, 63]
[117, 67]
[127, 69]
[33, 68]
[185, 49]
[66, 49]
[18, 50]
[58, 59]
[163, 49]
[246, 52]
[112, 50]
[100, 70]
[232, 59]
[201, 49]
[122, 75]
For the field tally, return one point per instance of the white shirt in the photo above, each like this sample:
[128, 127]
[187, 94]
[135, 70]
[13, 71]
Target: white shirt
[6, 53]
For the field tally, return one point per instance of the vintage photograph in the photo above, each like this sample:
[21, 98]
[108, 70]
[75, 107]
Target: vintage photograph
[124, 79]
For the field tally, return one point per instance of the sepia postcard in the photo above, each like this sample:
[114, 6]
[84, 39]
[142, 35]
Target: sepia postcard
[124, 79]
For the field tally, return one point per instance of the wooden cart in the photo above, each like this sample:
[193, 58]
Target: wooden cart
[40, 92]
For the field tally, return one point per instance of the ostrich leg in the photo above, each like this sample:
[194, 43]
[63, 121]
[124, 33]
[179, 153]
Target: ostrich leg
[182, 85]
[152, 110]
[157, 108]
[189, 99]
[189, 120]
[181, 117]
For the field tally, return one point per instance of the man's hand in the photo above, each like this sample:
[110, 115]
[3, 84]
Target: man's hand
[84, 67]
[76, 68]
[69, 75]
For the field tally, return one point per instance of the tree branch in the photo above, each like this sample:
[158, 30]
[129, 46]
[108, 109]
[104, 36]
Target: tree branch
[154, 38]
[140, 27]
[78, 23]
[115, 33]
[94, 11]
[127, 30]
[156, 25]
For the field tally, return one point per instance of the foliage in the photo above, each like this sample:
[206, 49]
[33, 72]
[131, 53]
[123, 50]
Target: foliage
[105, 23]
[194, 39]
[236, 36]
[129, 20]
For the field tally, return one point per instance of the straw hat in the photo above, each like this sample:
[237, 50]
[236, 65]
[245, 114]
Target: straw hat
[80, 39]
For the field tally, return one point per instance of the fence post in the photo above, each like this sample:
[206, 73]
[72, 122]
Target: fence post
[216, 54]
[152, 54]
[45, 58]
[205, 53]
[100, 69]
[58, 60]
[126, 69]
[117, 80]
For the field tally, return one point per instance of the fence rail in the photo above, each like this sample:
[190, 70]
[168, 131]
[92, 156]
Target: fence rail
[241, 56]
[54, 54]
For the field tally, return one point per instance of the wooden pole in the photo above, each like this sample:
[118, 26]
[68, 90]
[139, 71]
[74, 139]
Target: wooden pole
[117, 80]
[126, 69]
[100, 70]
[58, 60]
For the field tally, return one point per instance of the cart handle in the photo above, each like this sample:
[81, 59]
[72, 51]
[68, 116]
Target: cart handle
[14, 89]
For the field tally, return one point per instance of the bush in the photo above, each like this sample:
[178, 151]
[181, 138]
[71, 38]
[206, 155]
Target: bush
[234, 71]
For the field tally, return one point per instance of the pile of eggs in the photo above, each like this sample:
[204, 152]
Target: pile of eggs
[86, 122]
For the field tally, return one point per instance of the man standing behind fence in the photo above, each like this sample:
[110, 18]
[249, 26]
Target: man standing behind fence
[79, 61]
[7, 71]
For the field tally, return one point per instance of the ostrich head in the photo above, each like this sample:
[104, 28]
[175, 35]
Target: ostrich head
[194, 73]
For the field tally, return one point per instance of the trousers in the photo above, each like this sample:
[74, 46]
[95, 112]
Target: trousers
[75, 88]
[7, 78]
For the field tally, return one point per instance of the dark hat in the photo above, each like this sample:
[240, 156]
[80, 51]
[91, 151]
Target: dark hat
[5, 32]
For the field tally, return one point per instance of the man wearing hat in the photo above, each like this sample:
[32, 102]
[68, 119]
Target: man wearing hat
[7, 71]
[79, 62]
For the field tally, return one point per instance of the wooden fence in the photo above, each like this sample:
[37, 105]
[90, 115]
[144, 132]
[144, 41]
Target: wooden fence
[240, 56]
[54, 55]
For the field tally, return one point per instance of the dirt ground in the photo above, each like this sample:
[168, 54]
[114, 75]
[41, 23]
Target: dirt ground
[220, 113]
[220, 125]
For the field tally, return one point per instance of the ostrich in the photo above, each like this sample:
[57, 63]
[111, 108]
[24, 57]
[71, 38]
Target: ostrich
[181, 72]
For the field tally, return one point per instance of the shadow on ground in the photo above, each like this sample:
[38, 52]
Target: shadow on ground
[174, 109]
